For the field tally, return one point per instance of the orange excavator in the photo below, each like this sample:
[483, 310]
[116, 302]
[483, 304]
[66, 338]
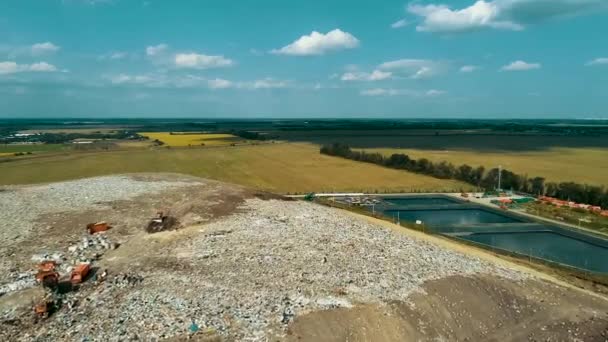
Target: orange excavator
[47, 276]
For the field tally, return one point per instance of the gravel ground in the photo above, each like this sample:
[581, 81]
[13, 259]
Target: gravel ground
[21, 206]
[246, 276]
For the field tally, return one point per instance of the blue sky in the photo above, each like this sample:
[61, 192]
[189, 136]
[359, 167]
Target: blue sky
[421, 59]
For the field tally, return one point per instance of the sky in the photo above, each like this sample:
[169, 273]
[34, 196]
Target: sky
[304, 59]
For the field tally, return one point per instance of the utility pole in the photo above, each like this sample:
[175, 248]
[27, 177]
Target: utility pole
[499, 176]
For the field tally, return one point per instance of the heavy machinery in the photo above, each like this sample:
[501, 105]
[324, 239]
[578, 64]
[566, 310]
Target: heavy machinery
[47, 276]
[43, 308]
[79, 273]
[98, 227]
[160, 223]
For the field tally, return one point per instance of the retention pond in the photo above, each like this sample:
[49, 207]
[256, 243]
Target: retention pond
[501, 231]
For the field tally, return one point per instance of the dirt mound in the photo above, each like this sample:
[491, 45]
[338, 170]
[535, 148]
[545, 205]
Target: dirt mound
[480, 308]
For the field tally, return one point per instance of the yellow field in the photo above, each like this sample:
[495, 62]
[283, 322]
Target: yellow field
[180, 140]
[281, 168]
[583, 165]
[6, 154]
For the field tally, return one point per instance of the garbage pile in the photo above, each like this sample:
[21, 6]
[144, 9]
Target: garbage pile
[89, 250]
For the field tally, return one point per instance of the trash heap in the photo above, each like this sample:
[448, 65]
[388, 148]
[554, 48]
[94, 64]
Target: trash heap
[89, 250]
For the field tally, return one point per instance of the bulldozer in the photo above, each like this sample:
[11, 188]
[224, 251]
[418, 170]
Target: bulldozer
[47, 276]
[161, 222]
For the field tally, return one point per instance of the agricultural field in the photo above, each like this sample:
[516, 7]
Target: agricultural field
[10, 149]
[192, 139]
[582, 165]
[283, 168]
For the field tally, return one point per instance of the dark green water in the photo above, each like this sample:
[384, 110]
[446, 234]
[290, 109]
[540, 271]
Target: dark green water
[550, 246]
[448, 217]
[419, 201]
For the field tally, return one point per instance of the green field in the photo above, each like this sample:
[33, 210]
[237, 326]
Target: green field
[284, 168]
[14, 148]
[582, 165]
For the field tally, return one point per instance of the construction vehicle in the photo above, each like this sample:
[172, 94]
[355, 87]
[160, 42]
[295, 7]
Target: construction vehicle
[79, 273]
[98, 227]
[160, 223]
[47, 276]
[43, 308]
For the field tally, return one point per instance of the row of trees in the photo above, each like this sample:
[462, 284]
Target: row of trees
[478, 176]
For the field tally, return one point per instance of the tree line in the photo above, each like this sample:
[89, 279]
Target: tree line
[477, 176]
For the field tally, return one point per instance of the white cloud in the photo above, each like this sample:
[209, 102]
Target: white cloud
[414, 68]
[399, 23]
[379, 92]
[498, 14]
[468, 68]
[401, 92]
[13, 68]
[219, 83]
[200, 61]
[130, 79]
[318, 44]
[9, 68]
[520, 66]
[42, 67]
[156, 50]
[44, 48]
[164, 80]
[266, 83]
[434, 92]
[376, 75]
[117, 55]
[89, 2]
[599, 61]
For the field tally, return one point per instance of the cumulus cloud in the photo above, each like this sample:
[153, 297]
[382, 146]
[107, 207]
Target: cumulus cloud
[44, 48]
[434, 92]
[414, 68]
[498, 14]
[520, 66]
[400, 92]
[266, 83]
[13, 68]
[319, 44]
[599, 61]
[167, 80]
[219, 83]
[399, 24]
[117, 55]
[130, 79]
[156, 50]
[468, 68]
[379, 92]
[376, 75]
[200, 61]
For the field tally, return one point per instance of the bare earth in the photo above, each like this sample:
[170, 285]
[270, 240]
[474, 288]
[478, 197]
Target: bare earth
[245, 265]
